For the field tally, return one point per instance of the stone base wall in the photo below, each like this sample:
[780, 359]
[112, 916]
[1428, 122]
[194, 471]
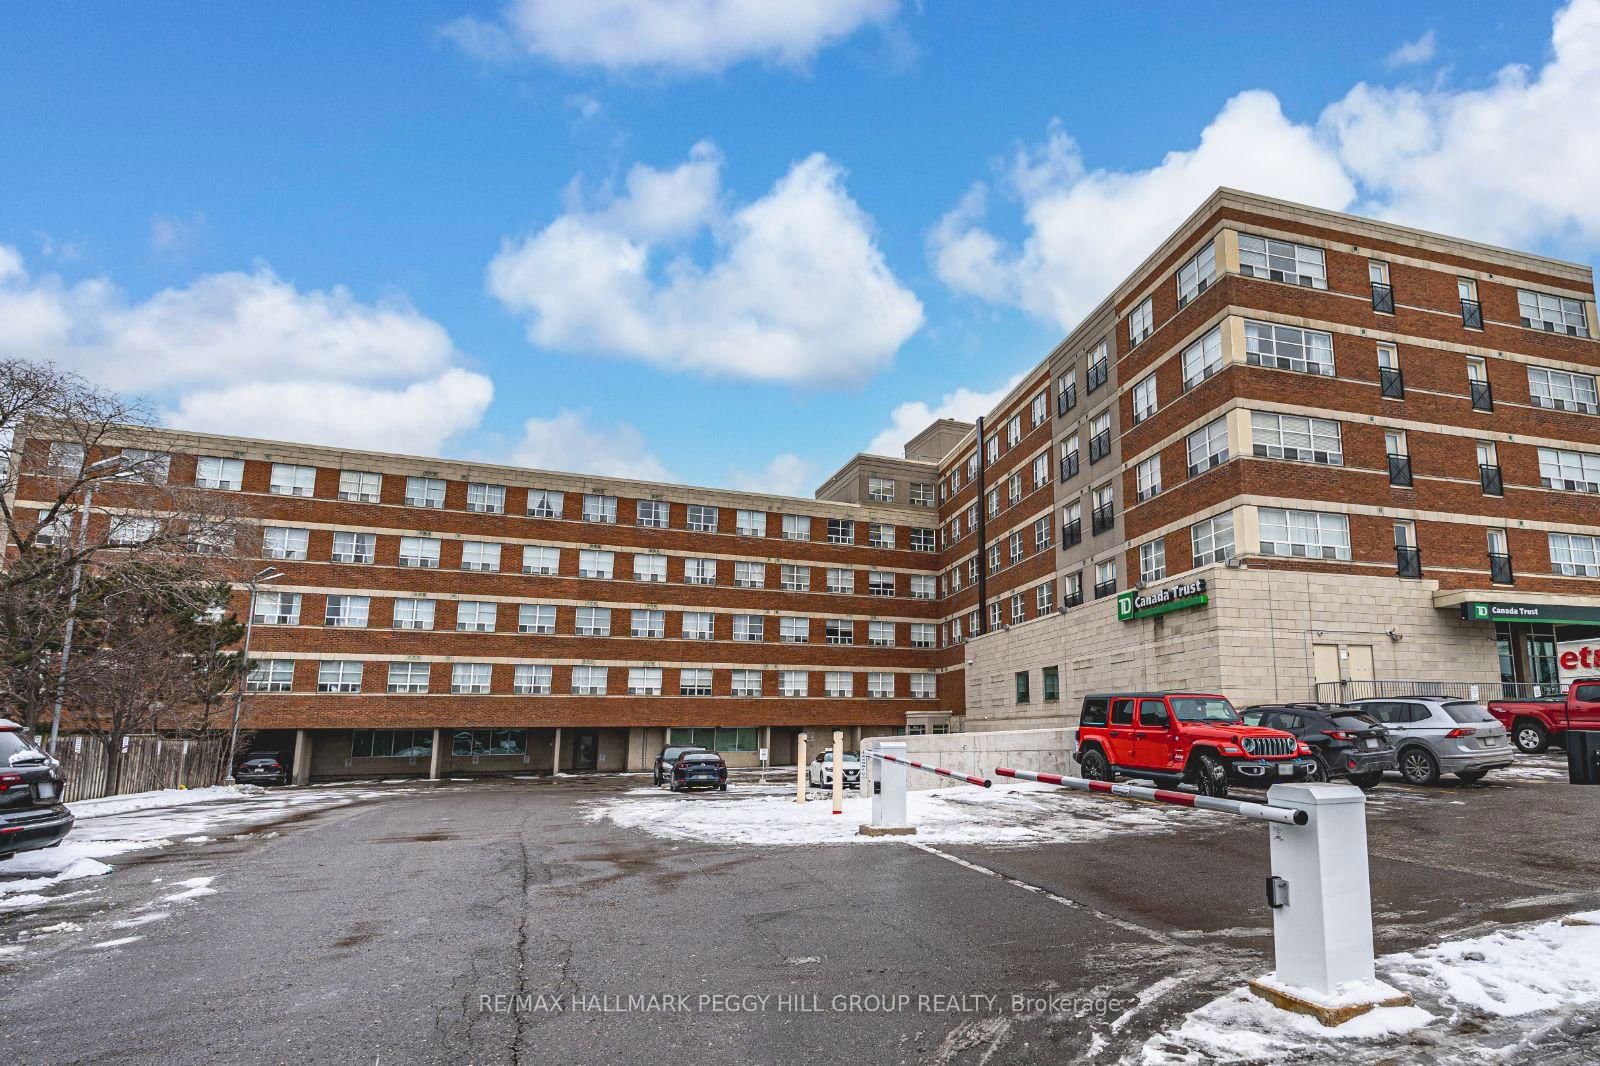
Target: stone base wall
[1045, 750]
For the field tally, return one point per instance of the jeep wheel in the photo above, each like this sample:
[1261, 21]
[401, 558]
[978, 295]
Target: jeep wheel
[1095, 767]
[1471, 777]
[1367, 781]
[1531, 738]
[1210, 776]
[1419, 767]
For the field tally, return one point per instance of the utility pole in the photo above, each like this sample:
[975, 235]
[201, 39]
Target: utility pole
[983, 539]
[271, 573]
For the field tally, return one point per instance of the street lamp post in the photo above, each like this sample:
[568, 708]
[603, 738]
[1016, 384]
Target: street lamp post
[271, 573]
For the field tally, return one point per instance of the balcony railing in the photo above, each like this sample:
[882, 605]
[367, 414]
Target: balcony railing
[1100, 446]
[1098, 372]
[1500, 569]
[1472, 314]
[1482, 396]
[1069, 466]
[1481, 691]
[1102, 589]
[1408, 561]
[1071, 600]
[1071, 533]
[1103, 518]
[1067, 399]
[1382, 298]
[1491, 479]
[1400, 470]
[1392, 383]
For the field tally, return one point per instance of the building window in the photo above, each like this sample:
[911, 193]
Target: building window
[748, 627]
[537, 559]
[347, 612]
[417, 614]
[921, 494]
[1104, 515]
[748, 683]
[1563, 391]
[841, 581]
[653, 513]
[841, 531]
[1572, 471]
[796, 527]
[424, 492]
[1382, 292]
[648, 624]
[750, 523]
[1014, 547]
[880, 686]
[922, 540]
[145, 466]
[409, 677]
[1288, 348]
[469, 678]
[129, 532]
[589, 680]
[994, 558]
[880, 583]
[1141, 323]
[1208, 447]
[1144, 399]
[750, 575]
[880, 634]
[1202, 359]
[1041, 533]
[1051, 678]
[1072, 590]
[65, 458]
[922, 634]
[1399, 457]
[530, 679]
[793, 683]
[924, 687]
[593, 622]
[1304, 534]
[486, 499]
[476, 742]
[1147, 478]
[1305, 440]
[840, 631]
[794, 630]
[1100, 436]
[699, 571]
[1407, 555]
[994, 501]
[702, 518]
[599, 508]
[419, 551]
[649, 567]
[1039, 410]
[1574, 555]
[360, 485]
[1197, 274]
[923, 587]
[694, 682]
[353, 547]
[339, 675]
[1298, 264]
[475, 616]
[1013, 431]
[1556, 314]
[391, 743]
[881, 489]
[1105, 579]
[1066, 392]
[1019, 608]
[213, 472]
[795, 578]
[644, 681]
[1099, 366]
[880, 535]
[480, 555]
[536, 618]
[543, 503]
[991, 450]
[271, 675]
[1391, 382]
[1022, 686]
[1153, 560]
[1044, 598]
[282, 542]
[1041, 469]
[698, 625]
[1212, 539]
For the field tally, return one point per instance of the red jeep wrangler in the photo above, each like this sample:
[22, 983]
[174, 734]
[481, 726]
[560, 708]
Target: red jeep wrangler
[1174, 737]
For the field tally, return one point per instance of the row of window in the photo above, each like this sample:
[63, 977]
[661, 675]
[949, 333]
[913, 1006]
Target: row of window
[881, 489]
[1037, 475]
[1003, 552]
[1038, 415]
[535, 679]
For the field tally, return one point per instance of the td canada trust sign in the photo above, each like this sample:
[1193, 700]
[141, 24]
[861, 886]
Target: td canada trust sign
[1147, 603]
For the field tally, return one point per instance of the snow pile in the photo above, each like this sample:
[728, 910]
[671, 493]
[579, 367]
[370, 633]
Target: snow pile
[1015, 815]
[1519, 972]
[161, 797]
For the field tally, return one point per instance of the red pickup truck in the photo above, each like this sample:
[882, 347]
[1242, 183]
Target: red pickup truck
[1533, 724]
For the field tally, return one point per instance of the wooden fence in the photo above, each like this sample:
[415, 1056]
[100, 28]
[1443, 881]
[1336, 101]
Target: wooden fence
[148, 762]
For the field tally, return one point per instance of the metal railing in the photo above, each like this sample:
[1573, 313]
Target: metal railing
[1399, 688]
[1482, 396]
[1103, 589]
[1071, 533]
[1392, 383]
[1069, 466]
[1383, 297]
[1500, 572]
[1408, 561]
[1066, 399]
[1400, 470]
[1492, 481]
[1098, 372]
[1100, 446]
[1472, 314]
[1103, 518]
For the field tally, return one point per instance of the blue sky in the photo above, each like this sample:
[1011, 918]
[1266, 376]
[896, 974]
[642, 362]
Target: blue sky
[723, 250]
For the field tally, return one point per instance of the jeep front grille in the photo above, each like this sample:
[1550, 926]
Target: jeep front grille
[1269, 746]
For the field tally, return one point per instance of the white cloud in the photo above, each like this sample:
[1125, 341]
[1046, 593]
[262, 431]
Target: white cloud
[796, 290]
[784, 475]
[1420, 50]
[914, 416]
[170, 235]
[687, 36]
[252, 354]
[571, 442]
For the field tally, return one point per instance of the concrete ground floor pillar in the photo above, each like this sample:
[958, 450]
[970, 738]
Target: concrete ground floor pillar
[436, 755]
[302, 756]
[555, 753]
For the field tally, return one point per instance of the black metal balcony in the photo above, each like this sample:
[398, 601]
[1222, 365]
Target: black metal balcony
[1067, 399]
[1408, 561]
[1102, 589]
[1072, 599]
[1071, 533]
[1491, 479]
[1400, 470]
[1482, 396]
[1500, 569]
[1069, 466]
[1382, 298]
[1103, 518]
[1100, 446]
[1098, 372]
[1392, 383]
[1472, 314]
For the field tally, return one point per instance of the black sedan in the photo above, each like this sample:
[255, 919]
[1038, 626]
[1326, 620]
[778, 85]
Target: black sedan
[699, 769]
[262, 770]
[1347, 742]
[668, 756]
[32, 815]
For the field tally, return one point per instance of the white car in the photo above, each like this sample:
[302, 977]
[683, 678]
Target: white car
[820, 772]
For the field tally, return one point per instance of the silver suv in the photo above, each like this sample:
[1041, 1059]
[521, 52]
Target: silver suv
[1435, 735]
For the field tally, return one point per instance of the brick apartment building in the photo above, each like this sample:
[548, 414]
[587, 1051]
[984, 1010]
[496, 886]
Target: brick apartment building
[1293, 447]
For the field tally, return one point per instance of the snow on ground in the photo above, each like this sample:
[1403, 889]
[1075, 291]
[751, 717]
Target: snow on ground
[1014, 815]
[1478, 998]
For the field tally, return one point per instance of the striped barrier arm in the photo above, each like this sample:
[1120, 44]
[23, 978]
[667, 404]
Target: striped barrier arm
[981, 782]
[1259, 811]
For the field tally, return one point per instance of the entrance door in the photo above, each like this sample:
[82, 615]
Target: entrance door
[1325, 668]
[585, 749]
[1358, 664]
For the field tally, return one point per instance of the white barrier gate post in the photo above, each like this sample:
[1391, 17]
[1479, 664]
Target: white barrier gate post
[889, 788]
[838, 772]
[800, 769]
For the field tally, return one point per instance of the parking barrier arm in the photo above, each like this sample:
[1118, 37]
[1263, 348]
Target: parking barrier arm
[981, 782]
[1259, 811]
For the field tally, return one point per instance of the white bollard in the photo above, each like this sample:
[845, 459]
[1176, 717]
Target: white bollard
[800, 769]
[1321, 899]
[838, 772]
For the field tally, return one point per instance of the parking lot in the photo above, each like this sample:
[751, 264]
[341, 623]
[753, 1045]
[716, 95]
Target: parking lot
[513, 921]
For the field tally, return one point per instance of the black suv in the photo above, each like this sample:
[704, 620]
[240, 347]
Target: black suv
[262, 768]
[668, 756]
[1347, 741]
[32, 815]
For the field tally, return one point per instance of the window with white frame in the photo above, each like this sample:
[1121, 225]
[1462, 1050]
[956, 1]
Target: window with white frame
[1099, 365]
[538, 559]
[1014, 546]
[1041, 469]
[413, 613]
[419, 551]
[424, 492]
[480, 555]
[841, 581]
[589, 680]
[795, 578]
[880, 685]
[838, 684]
[648, 623]
[653, 513]
[922, 494]
[880, 634]
[1144, 399]
[924, 687]
[284, 542]
[1197, 273]
[750, 575]
[593, 562]
[271, 675]
[1100, 436]
[593, 622]
[698, 625]
[1304, 534]
[1563, 391]
[1019, 608]
[1153, 560]
[994, 617]
[880, 583]
[1557, 314]
[1574, 555]
[409, 677]
[922, 634]
[362, 486]
[485, 498]
[793, 683]
[1147, 478]
[1561, 468]
[796, 527]
[991, 449]
[476, 616]
[841, 531]
[1298, 264]
[347, 612]
[536, 618]
[1013, 431]
[545, 503]
[923, 587]
[880, 535]
[531, 679]
[277, 609]
[881, 489]
[922, 540]
[1306, 440]
[699, 571]
[64, 457]
[1044, 598]
[644, 681]
[994, 500]
[750, 523]
[1212, 539]
[339, 675]
[1041, 533]
[701, 518]
[215, 472]
[972, 465]
[1202, 358]
[1141, 322]
[1208, 447]
[146, 466]
[694, 682]
[353, 547]
[840, 631]
[1105, 578]
[1308, 351]
[749, 627]
[1039, 410]
[747, 683]
[649, 567]
[597, 508]
[794, 630]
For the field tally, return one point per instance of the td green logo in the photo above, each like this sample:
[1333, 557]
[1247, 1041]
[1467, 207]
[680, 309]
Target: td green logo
[1125, 605]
